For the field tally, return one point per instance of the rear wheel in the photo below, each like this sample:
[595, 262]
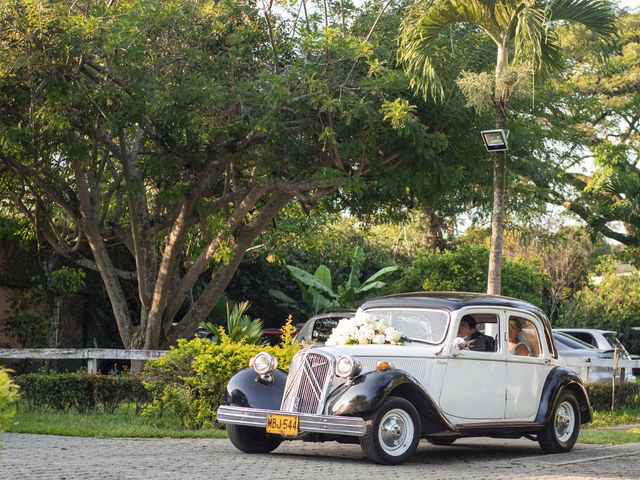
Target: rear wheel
[441, 440]
[394, 432]
[252, 440]
[562, 431]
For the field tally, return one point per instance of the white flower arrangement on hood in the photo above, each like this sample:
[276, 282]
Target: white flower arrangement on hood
[363, 329]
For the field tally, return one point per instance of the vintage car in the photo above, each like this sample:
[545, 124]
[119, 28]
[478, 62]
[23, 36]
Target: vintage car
[386, 397]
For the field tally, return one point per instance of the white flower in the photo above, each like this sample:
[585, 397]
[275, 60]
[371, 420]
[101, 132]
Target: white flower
[363, 329]
[392, 335]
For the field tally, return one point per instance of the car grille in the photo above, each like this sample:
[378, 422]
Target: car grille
[309, 377]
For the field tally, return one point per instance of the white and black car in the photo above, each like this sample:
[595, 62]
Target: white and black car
[387, 397]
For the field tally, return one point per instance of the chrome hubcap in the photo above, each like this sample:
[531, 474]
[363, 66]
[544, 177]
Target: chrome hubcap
[565, 421]
[395, 432]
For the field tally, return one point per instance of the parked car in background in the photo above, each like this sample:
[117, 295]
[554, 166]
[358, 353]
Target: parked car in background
[573, 353]
[317, 329]
[603, 340]
[400, 370]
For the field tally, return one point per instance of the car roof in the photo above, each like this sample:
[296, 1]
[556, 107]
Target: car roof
[451, 301]
[586, 330]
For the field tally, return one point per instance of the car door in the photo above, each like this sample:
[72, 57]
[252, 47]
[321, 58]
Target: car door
[525, 374]
[473, 387]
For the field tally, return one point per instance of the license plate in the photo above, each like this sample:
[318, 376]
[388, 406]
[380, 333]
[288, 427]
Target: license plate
[282, 425]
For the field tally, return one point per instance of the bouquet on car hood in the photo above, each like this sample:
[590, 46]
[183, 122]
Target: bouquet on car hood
[364, 329]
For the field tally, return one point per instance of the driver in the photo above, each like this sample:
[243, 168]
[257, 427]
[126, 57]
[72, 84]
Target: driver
[474, 340]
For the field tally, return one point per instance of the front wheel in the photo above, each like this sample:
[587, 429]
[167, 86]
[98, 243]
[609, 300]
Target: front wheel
[394, 432]
[562, 431]
[252, 440]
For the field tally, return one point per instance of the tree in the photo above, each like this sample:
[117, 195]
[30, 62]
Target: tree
[593, 118]
[527, 28]
[610, 301]
[174, 133]
[463, 269]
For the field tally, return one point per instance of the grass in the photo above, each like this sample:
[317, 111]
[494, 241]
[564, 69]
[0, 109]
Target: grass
[603, 419]
[607, 427]
[125, 422]
[610, 437]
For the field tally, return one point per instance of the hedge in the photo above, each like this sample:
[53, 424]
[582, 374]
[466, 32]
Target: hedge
[190, 381]
[81, 391]
[627, 395]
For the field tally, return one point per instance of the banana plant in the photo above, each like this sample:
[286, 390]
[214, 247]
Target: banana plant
[317, 290]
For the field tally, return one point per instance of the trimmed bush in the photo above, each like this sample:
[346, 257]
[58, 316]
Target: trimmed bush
[8, 397]
[190, 381]
[627, 395]
[80, 391]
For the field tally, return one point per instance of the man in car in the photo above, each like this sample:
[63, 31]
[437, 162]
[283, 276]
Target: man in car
[475, 340]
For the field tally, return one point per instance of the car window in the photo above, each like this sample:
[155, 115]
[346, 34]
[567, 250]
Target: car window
[523, 337]
[487, 324]
[418, 324]
[570, 342]
[585, 337]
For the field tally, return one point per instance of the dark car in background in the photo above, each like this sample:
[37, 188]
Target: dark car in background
[319, 327]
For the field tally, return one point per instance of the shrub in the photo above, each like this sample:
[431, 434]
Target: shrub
[190, 381]
[8, 397]
[80, 391]
[627, 395]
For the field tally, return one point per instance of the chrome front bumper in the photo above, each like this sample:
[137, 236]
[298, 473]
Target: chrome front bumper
[331, 424]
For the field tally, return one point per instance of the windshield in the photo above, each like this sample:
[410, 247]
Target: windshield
[415, 324]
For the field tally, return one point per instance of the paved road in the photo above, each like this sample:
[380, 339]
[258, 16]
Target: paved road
[49, 457]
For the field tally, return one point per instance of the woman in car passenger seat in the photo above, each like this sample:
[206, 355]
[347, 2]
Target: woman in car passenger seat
[516, 347]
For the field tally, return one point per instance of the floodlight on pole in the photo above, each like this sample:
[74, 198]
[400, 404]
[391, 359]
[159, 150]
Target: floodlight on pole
[495, 140]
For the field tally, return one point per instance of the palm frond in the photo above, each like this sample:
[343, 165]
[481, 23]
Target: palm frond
[597, 15]
[551, 58]
[529, 34]
[421, 27]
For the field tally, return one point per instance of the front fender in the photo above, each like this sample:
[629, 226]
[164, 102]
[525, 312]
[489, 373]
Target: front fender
[366, 393]
[247, 389]
[558, 380]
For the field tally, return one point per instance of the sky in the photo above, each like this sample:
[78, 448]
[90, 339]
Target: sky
[629, 3]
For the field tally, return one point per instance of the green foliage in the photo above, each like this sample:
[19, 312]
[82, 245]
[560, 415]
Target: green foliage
[24, 319]
[611, 301]
[599, 100]
[8, 398]
[530, 27]
[80, 391]
[464, 269]
[240, 327]
[627, 395]
[67, 281]
[317, 292]
[190, 381]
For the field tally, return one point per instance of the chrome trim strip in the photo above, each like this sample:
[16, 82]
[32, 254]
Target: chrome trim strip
[331, 424]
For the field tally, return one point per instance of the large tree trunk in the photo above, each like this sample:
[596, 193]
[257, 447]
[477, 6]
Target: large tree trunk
[494, 281]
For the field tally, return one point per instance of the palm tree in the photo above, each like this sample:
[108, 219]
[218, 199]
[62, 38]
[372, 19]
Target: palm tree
[525, 28]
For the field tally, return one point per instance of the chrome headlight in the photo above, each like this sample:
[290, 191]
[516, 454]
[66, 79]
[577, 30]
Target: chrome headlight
[347, 366]
[264, 363]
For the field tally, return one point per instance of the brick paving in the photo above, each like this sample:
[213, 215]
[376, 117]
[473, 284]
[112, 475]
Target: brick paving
[50, 457]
